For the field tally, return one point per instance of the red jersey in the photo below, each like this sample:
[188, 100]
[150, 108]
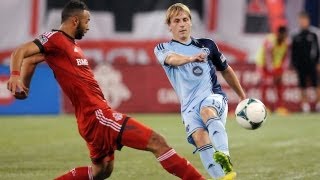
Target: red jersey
[71, 70]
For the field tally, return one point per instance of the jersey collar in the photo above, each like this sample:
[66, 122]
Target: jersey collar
[185, 44]
[71, 38]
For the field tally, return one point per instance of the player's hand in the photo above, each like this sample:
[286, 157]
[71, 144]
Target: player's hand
[199, 57]
[16, 87]
[21, 95]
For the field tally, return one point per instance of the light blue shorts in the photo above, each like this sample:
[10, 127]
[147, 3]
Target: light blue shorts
[192, 119]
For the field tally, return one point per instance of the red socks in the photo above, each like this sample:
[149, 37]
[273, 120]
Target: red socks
[179, 166]
[79, 173]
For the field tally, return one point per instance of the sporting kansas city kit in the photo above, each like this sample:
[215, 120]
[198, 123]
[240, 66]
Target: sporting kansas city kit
[101, 127]
[195, 83]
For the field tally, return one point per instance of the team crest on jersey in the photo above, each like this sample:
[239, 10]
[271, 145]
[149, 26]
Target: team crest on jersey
[117, 116]
[197, 70]
[206, 51]
[43, 39]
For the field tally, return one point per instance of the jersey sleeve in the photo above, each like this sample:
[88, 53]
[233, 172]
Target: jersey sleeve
[45, 42]
[218, 59]
[161, 52]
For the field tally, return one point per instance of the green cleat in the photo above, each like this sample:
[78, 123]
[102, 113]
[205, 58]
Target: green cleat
[230, 176]
[224, 161]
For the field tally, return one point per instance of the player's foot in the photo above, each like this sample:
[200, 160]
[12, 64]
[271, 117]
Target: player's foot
[230, 176]
[224, 161]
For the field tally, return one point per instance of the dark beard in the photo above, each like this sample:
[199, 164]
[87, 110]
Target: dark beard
[79, 33]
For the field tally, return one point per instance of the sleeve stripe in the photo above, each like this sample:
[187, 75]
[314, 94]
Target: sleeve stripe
[158, 47]
[162, 45]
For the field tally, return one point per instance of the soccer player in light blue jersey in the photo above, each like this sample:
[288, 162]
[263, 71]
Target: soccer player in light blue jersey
[191, 66]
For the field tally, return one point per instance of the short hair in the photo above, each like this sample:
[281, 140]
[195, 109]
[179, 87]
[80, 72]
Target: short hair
[72, 8]
[175, 9]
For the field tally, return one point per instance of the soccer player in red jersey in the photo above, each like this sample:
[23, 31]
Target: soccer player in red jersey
[103, 129]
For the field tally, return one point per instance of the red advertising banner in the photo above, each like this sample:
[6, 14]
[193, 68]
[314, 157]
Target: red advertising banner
[145, 88]
[133, 81]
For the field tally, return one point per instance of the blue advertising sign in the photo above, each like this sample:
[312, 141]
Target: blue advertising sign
[44, 96]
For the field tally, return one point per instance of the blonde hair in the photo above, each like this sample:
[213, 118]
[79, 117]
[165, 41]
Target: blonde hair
[175, 9]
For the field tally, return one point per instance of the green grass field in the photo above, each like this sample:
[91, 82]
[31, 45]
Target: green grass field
[43, 147]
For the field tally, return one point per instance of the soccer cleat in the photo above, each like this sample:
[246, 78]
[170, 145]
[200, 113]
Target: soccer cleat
[224, 161]
[230, 176]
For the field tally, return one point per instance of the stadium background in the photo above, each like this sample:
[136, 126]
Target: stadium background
[120, 46]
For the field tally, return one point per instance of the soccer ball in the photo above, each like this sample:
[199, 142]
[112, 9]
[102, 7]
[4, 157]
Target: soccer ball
[251, 113]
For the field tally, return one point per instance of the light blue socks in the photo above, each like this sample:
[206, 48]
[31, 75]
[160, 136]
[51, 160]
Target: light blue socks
[206, 155]
[218, 135]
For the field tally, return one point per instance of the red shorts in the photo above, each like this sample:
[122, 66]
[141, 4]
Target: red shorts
[111, 130]
[274, 72]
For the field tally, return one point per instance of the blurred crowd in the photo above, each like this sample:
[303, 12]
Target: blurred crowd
[298, 51]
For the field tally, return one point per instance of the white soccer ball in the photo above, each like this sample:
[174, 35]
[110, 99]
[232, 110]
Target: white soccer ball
[251, 113]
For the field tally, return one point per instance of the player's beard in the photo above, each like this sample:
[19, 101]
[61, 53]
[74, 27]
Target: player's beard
[79, 32]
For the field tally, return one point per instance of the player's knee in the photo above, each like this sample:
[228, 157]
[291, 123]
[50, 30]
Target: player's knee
[207, 113]
[157, 144]
[102, 172]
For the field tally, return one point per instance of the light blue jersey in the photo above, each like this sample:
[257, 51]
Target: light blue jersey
[194, 81]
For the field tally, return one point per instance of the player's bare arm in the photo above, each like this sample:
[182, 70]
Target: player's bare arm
[29, 65]
[232, 80]
[27, 70]
[15, 83]
[174, 59]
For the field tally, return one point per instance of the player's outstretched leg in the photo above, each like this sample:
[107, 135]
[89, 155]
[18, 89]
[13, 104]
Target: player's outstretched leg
[206, 151]
[171, 161]
[141, 137]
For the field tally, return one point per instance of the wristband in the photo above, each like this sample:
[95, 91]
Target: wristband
[15, 73]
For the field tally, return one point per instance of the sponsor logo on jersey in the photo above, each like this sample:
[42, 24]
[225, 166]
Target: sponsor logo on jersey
[197, 70]
[82, 62]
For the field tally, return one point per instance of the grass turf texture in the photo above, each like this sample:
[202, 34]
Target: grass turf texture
[43, 147]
